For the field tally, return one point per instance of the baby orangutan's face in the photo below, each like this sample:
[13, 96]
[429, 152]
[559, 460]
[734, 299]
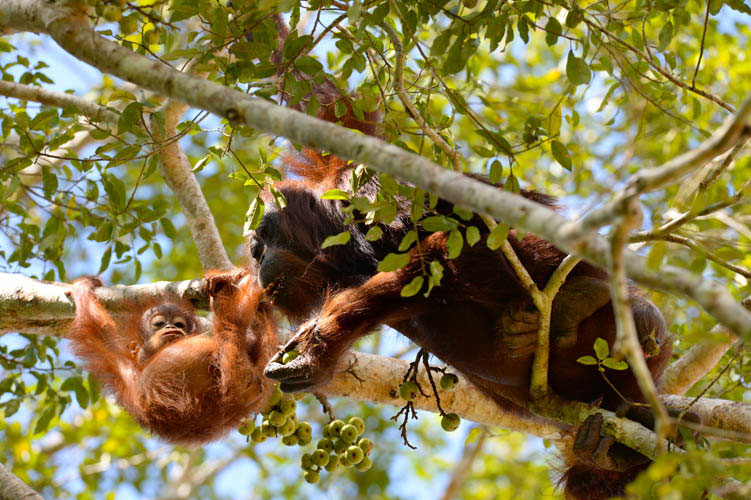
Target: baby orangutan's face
[162, 325]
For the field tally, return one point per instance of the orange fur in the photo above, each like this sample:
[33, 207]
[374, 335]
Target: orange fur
[194, 389]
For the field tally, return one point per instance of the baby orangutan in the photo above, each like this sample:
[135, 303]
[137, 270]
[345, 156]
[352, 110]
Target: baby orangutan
[185, 386]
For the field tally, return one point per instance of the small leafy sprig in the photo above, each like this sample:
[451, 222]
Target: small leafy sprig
[603, 359]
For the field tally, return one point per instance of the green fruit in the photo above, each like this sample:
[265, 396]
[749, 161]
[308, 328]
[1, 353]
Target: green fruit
[288, 406]
[311, 476]
[258, 436]
[277, 418]
[340, 445]
[276, 397]
[289, 356]
[355, 454]
[364, 465]
[287, 429]
[333, 463]
[409, 391]
[335, 427]
[450, 422]
[268, 429]
[304, 441]
[358, 423]
[326, 445]
[151, 37]
[304, 431]
[320, 458]
[290, 440]
[449, 381]
[306, 461]
[128, 25]
[344, 461]
[326, 431]
[246, 428]
[111, 13]
[349, 433]
[366, 445]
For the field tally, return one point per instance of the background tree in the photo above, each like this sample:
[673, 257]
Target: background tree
[605, 105]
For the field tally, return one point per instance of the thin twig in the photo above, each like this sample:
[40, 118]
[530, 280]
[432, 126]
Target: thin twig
[701, 50]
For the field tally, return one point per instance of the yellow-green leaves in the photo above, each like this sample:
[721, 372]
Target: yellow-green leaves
[577, 70]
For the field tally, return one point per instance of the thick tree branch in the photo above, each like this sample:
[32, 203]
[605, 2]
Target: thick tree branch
[35, 306]
[12, 488]
[42, 307]
[177, 172]
[700, 358]
[92, 110]
[627, 340]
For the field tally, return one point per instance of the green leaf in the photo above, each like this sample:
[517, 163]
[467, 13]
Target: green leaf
[115, 189]
[666, 34]
[601, 348]
[497, 236]
[523, 28]
[440, 44]
[130, 118]
[454, 62]
[496, 172]
[82, 396]
[577, 70]
[337, 239]
[71, 383]
[374, 233]
[553, 30]
[169, 228]
[574, 17]
[407, 241]
[201, 163]
[392, 262]
[472, 235]
[413, 287]
[340, 109]
[44, 419]
[587, 360]
[335, 194]
[454, 243]
[308, 65]
[560, 153]
[105, 263]
[614, 364]
[11, 407]
[49, 182]
[439, 223]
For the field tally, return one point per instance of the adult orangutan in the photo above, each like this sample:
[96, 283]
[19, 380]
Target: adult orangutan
[480, 319]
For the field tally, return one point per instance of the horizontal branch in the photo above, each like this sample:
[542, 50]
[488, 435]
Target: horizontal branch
[42, 307]
[34, 306]
[375, 379]
[41, 95]
[71, 30]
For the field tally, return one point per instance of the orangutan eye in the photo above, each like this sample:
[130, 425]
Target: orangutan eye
[158, 321]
